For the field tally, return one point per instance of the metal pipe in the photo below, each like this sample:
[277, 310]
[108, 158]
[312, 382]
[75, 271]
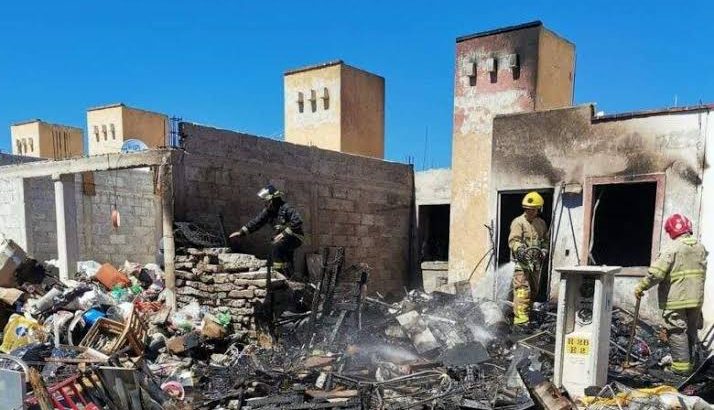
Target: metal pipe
[632, 333]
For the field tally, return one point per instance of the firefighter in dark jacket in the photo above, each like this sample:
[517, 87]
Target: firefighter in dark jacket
[287, 228]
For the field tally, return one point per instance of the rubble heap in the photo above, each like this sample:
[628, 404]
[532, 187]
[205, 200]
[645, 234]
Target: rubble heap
[234, 282]
[241, 339]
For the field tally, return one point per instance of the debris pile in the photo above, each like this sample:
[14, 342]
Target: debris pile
[242, 337]
[236, 283]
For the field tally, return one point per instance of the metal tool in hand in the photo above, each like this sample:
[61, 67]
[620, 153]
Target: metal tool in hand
[532, 259]
[632, 333]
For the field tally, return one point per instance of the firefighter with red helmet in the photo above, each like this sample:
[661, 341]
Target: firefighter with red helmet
[679, 272]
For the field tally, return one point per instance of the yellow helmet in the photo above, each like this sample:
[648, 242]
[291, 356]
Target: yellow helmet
[532, 200]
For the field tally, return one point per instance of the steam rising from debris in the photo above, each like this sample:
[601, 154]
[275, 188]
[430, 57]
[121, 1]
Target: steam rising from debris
[485, 288]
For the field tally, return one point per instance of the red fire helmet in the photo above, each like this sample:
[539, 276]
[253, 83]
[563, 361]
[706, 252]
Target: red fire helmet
[677, 225]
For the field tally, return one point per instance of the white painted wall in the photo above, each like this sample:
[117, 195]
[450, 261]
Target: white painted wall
[706, 217]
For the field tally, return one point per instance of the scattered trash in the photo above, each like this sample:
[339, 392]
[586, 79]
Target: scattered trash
[243, 337]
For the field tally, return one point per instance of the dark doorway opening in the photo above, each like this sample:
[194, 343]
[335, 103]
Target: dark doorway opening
[622, 224]
[509, 209]
[434, 232]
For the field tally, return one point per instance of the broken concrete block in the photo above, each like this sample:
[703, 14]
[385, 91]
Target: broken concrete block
[242, 311]
[225, 287]
[184, 258]
[216, 251]
[183, 274]
[239, 262]
[221, 278]
[261, 274]
[241, 294]
[260, 283]
[206, 278]
[234, 303]
[418, 331]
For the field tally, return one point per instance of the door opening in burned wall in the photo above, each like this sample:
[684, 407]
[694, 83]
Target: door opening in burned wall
[509, 208]
[434, 232]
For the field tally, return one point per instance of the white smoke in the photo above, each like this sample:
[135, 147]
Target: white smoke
[485, 289]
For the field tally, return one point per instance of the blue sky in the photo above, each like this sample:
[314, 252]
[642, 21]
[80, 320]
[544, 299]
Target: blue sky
[221, 62]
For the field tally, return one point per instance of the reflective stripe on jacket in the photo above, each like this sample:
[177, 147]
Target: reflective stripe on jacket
[680, 271]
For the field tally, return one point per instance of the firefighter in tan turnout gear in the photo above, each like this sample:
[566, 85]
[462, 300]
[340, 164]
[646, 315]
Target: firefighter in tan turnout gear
[679, 271]
[528, 242]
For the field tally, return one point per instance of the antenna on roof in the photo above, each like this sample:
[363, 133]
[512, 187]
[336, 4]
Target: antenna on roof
[426, 145]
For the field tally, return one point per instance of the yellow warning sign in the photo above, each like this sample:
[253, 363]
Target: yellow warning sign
[577, 345]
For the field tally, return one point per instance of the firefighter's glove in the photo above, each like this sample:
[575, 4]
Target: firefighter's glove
[242, 232]
[279, 237]
[639, 292]
[544, 253]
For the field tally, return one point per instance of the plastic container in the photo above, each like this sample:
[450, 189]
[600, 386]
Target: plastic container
[110, 277]
[92, 315]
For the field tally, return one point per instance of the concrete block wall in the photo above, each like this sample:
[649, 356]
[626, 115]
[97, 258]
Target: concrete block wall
[27, 215]
[138, 235]
[360, 203]
[41, 218]
[12, 223]
[12, 203]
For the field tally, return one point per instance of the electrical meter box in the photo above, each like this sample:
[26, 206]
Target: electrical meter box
[582, 332]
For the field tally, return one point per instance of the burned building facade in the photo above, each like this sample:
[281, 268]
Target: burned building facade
[609, 183]
[514, 69]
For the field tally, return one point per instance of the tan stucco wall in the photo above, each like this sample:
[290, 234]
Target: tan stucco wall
[146, 126]
[556, 71]
[24, 133]
[362, 112]
[474, 109]
[128, 122]
[476, 104]
[44, 140]
[322, 127]
[104, 117]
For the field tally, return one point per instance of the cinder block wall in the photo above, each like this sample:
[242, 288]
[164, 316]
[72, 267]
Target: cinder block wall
[360, 203]
[137, 238]
[27, 215]
[40, 217]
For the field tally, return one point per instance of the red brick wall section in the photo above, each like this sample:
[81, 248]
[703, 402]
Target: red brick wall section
[363, 204]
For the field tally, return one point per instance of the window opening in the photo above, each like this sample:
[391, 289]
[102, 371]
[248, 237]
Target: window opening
[434, 232]
[622, 224]
[301, 102]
